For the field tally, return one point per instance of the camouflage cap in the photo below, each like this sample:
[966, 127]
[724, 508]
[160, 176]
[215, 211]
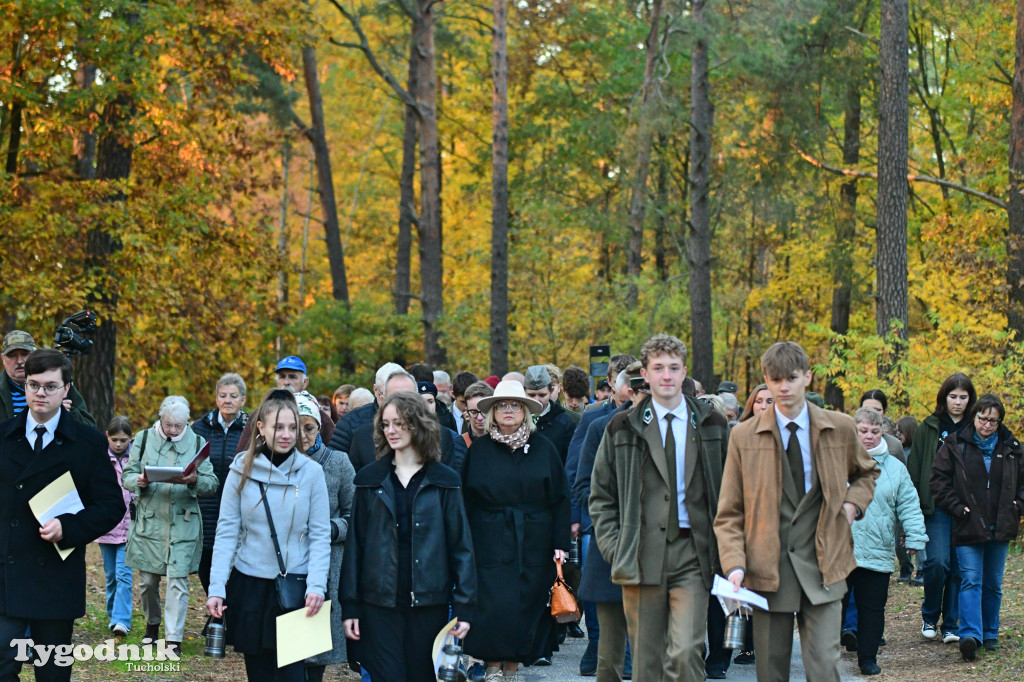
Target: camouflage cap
[18, 340]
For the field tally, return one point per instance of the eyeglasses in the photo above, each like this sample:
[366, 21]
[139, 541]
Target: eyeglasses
[32, 387]
[508, 407]
[396, 425]
[473, 414]
[987, 421]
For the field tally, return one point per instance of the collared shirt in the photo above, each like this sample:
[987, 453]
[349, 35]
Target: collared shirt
[30, 429]
[679, 426]
[803, 435]
[457, 413]
[220, 420]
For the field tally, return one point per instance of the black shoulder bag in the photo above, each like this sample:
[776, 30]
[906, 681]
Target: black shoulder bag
[291, 587]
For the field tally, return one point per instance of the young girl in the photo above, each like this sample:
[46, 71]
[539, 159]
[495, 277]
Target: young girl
[271, 478]
[119, 576]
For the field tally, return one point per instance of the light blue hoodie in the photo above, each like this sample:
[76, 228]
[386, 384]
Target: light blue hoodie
[297, 493]
[874, 536]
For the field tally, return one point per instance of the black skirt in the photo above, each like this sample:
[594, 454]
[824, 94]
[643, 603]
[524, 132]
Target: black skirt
[250, 618]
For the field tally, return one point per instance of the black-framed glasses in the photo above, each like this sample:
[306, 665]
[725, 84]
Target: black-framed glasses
[509, 407]
[32, 388]
[473, 414]
[988, 421]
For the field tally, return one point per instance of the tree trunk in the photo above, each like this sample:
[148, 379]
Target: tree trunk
[846, 225]
[661, 229]
[318, 137]
[1015, 243]
[407, 191]
[282, 241]
[891, 237]
[638, 193]
[85, 144]
[699, 253]
[499, 192]
[431, 265]
[95, 371]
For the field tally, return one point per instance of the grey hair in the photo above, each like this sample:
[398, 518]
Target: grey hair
[620, 381]
[715, 401]
[729, 401]
[232, 379]
[441, 377]
[384, 373]
[359, 397]
[401, 373]
[865, 415]
[175, 407]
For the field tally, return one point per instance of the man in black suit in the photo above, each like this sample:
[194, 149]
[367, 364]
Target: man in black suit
[39, 590]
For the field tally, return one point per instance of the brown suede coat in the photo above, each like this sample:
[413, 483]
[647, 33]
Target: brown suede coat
[747, 524]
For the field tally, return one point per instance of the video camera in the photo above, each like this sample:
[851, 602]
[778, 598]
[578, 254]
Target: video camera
[70, 334]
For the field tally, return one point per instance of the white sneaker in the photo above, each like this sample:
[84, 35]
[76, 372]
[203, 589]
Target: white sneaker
[493, 675]
[949, 638]
[928, 631]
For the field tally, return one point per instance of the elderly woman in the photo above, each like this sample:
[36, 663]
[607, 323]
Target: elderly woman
[222, 428]
[517, 499]
[339, 473]
[976, 479]
[166, 537]
[874, 540]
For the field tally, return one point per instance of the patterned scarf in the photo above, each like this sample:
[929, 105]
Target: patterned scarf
[514, 440]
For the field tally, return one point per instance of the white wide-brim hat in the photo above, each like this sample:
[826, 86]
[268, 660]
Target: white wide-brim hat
[509, 390]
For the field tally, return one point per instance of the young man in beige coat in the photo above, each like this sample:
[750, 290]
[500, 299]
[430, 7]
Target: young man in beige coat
[795, 479]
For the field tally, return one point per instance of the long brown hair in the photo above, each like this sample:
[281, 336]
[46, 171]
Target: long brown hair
[421, 422]
[274, 400]
[748, 408]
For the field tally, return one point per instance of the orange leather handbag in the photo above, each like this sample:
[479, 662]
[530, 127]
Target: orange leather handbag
[564, 607]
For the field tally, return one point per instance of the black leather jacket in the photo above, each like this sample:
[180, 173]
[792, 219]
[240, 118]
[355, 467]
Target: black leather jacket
[444, 569]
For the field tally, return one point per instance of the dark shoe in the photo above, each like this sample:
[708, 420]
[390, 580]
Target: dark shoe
[916, 581]
[175, 648]
[881, 642]
[588, 664]
[576, 632]
[152, 633]
[991, 645]
[476, 672]
[714, 674]
[744, 658]
[542, 661]
[905, 576]
[869, 667]
[560, 631]
[968, 648]
[848, 639]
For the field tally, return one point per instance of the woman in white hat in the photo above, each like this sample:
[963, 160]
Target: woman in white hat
[517, 499]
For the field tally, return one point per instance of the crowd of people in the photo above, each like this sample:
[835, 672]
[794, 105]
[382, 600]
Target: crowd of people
[431, 497]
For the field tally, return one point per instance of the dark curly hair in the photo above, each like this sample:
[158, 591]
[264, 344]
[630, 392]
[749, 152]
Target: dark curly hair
[420, 421]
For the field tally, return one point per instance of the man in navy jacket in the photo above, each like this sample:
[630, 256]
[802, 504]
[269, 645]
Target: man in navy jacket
[39, 590]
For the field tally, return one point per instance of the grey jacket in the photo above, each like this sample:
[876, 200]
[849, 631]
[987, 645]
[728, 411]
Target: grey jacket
[297, 493]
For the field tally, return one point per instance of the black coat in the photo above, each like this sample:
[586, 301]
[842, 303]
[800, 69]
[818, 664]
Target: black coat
[518, 507]
[557, 426]
[995, 498]
[572, 459]
[346, 427]
[442, 550]
[223, 448]
[362, 451]
[35, 582]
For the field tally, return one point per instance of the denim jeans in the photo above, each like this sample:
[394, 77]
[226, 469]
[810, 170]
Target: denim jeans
[850, 617]
[119, 585]
[589, 607]
[941, 574]
[981, 588]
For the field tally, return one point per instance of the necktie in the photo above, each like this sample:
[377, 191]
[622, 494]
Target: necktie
[40, 431]
[796, 459]
[673, 486]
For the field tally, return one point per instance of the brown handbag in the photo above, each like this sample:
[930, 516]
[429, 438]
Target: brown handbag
[564, 607]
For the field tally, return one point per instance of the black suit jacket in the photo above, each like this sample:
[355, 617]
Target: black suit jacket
[36, 583]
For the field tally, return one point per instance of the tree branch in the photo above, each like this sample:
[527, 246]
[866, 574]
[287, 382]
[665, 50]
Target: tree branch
[364, 46]
[863, 35]
[911, 177]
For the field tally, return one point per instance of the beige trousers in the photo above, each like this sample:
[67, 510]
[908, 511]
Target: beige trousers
[176, 603]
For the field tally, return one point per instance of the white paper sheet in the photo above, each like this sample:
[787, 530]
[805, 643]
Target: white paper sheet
[60, 497]
[299, 637]
[723, 589]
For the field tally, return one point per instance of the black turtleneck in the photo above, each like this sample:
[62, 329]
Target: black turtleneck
[276, 458]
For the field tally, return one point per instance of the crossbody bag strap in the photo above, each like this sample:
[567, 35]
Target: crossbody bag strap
[273, 531]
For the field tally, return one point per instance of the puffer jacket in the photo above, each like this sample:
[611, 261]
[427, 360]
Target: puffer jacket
[996, 498]
[874, 535]
[118, 535]
[442, 548]
[166, 537]
[224, 445]
[297, 494]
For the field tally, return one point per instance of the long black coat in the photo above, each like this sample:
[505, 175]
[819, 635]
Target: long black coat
[34, 581]
[518, 507]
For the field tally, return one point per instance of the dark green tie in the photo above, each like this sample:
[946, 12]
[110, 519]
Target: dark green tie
[673, 486]
[796, 459]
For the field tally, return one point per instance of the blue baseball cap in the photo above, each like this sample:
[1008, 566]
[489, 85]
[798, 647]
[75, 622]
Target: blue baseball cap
[291, 362]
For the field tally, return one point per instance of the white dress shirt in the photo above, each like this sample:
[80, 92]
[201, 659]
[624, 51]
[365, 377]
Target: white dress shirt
[30, 429]
[679, 427]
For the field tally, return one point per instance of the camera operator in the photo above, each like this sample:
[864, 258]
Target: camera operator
[16, 347]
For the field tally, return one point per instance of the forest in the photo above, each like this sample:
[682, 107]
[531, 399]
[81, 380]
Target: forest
[485, 186]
